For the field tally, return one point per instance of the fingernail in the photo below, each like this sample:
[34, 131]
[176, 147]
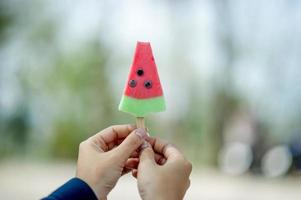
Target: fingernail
[162, 161]
[144, 145]
[141, 133]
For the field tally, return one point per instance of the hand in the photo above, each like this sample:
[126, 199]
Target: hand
[106, 156]
[167, 180]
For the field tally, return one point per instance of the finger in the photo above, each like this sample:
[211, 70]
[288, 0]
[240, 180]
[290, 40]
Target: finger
[135, 154]
[158, 157]
[119, 141]
[160, 160]
[107, 138]
[130, 144]
[188, 184]
[165, 148]
[131, 163]
[147, 155]
[134, 173]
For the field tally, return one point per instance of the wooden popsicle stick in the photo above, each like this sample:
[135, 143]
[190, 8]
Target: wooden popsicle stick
[140, 122]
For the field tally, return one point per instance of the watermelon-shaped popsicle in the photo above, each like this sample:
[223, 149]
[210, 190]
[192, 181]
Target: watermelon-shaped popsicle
[143, 92]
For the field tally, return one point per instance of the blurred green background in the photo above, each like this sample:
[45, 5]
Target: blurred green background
[230, 71]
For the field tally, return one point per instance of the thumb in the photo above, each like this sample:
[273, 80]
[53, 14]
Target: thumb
[131, 143]
[147, 155]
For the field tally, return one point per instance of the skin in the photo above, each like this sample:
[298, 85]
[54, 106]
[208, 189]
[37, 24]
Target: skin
[165, 180]
[117, 150]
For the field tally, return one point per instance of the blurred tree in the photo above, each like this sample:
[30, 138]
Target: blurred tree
[14, 127]
[66, 94]
[89, 105]
[223, 100]
[6, 20]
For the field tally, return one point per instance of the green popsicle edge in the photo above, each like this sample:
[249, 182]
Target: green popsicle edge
[141, 107]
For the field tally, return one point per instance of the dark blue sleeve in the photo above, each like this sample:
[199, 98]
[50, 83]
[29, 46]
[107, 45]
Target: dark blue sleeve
[74, 189]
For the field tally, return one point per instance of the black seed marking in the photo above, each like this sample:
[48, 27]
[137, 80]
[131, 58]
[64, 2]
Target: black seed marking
[140, 72]
[132, 83]
[148, 84]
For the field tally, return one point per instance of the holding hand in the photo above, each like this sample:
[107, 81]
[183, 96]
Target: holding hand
[167, 180]
[106, 156]
[161, 170]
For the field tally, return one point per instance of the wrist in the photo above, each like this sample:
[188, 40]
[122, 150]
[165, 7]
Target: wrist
[99, 193]
[167, 195]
